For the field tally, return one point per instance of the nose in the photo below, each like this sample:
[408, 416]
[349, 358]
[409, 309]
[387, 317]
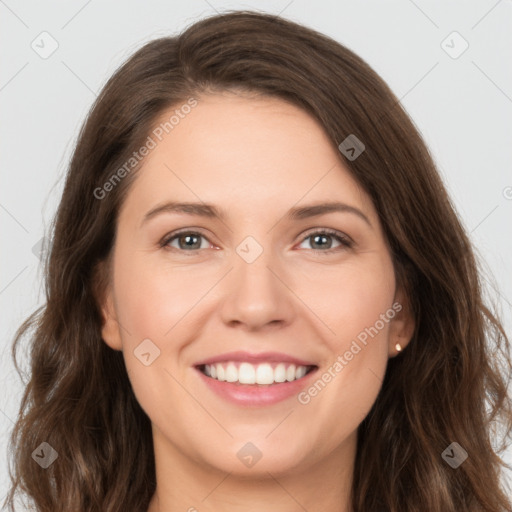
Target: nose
[257, 294]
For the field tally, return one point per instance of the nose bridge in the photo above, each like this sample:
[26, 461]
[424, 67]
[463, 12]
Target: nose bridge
[255, 295]
[252, 274]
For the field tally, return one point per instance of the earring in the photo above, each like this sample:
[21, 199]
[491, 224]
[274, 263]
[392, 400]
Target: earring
[398, 347]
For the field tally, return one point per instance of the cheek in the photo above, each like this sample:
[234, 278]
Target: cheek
[153, 300]
[350, 297]
[358, 315]
[156, 304]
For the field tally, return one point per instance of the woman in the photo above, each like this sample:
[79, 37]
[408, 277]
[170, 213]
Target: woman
[198, 352]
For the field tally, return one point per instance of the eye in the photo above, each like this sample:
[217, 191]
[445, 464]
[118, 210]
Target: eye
[323, 238]
[188, 241]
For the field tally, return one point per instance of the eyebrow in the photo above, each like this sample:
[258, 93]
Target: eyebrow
[213, 212]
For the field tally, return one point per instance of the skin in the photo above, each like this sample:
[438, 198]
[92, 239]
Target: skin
[255, 158]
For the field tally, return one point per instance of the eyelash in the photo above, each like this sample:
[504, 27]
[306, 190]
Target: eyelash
[345, 242]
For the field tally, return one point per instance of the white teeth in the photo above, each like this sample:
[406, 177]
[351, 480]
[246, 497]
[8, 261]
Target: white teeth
[280, 373]
[231, 373]
[264, 374]
[247, 373]
[220, 372]
[300, 372]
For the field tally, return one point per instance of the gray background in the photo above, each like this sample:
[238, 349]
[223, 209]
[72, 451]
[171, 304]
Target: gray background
[461, 105]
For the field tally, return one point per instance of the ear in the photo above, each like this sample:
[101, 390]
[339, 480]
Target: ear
[402, 325]
[110, 331]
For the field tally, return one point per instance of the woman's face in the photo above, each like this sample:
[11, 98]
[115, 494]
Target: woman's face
[263, 279]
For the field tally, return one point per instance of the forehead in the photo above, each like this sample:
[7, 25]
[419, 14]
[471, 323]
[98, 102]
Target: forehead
[243, 152]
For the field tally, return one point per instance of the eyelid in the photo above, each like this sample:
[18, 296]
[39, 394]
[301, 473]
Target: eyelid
[191, 230]
[345, 241]
[327, 231]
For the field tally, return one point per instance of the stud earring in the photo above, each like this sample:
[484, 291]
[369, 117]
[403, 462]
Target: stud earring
[398, 347]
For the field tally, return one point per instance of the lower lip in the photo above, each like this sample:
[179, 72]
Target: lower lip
[255, 394]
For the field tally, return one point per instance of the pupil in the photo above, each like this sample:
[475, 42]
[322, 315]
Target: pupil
[188, 238]
[323, 237]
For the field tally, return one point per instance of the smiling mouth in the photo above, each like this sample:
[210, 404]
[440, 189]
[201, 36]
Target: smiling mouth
[263, 374]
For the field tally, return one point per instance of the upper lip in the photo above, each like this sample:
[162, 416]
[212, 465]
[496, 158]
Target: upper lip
[262, 357]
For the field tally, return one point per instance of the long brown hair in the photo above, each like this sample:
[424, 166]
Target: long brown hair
[449, 384]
